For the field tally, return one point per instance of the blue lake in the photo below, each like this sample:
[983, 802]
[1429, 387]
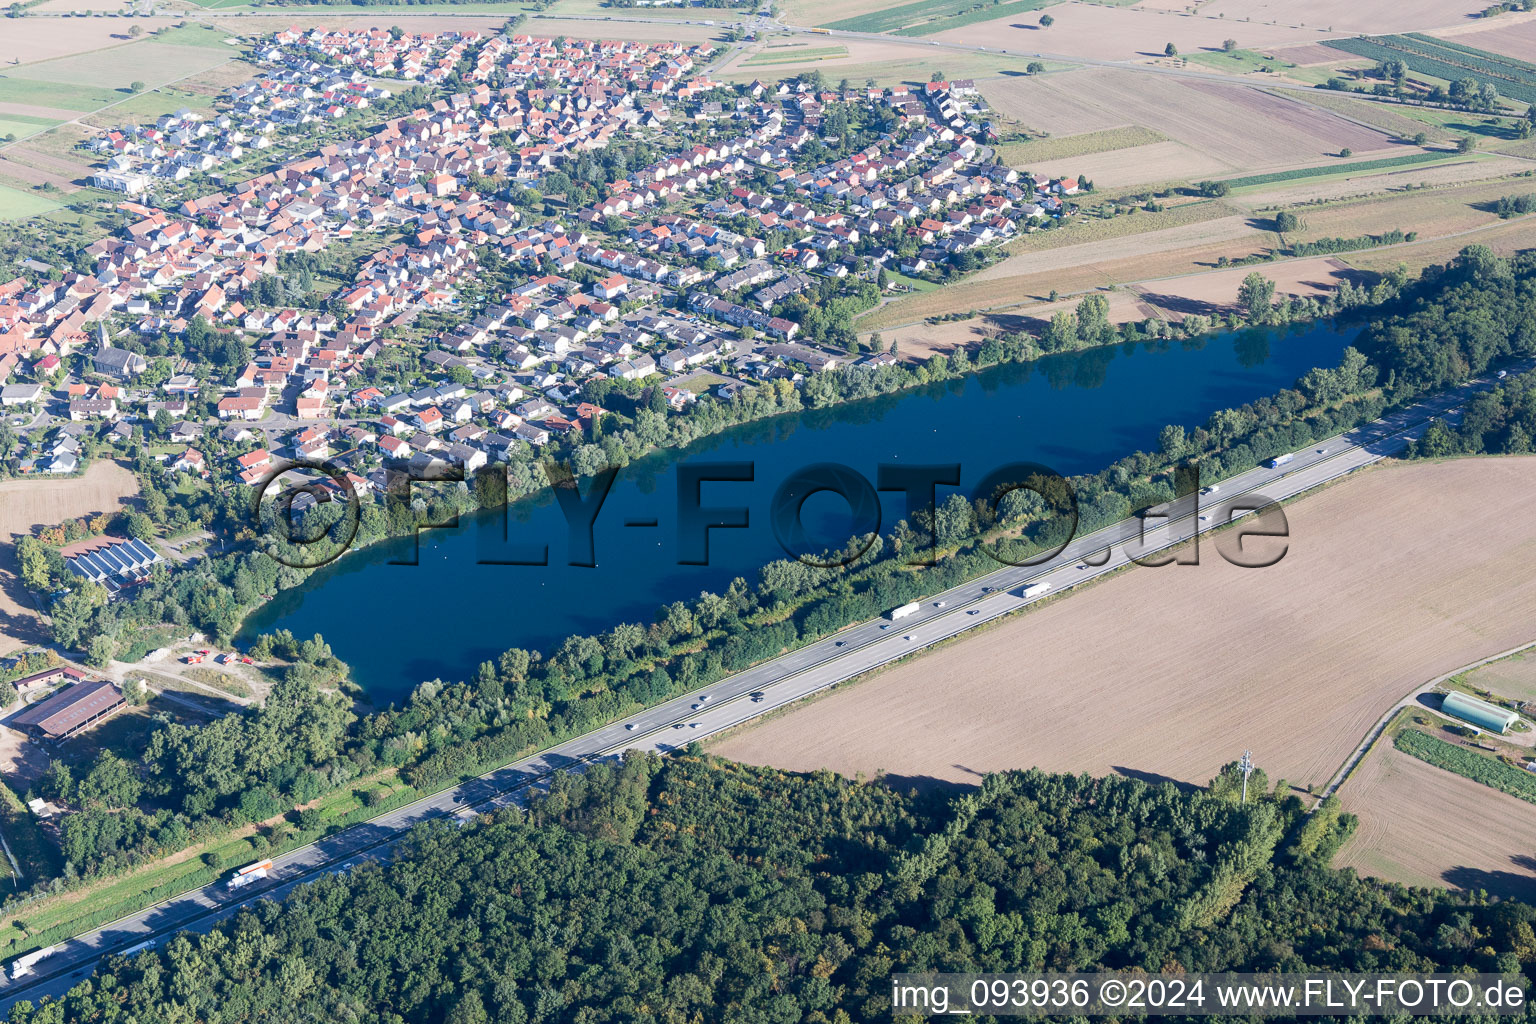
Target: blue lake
[398, 625]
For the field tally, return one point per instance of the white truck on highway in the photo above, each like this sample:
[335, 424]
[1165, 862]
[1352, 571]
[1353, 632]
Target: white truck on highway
[250, 873]
[909, 608]
[22, 966]
[1279, 460]
[1034, 590]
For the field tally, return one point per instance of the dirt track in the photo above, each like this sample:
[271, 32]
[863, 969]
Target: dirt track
[1392, 578]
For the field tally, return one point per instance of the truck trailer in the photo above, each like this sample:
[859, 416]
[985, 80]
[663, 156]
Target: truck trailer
[1034, 590]
[1279, 460]
[900, 613]
[250, 873]
[22, 966]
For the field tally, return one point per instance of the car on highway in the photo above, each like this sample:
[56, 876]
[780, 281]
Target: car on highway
[677, 725]
[1211, 489]
[840, 643]
[630, 727]
[1083, 567]
[974, 611]
[693, 725]
[907, 637]
[940, 604]
[757, 698]
[1204, 518]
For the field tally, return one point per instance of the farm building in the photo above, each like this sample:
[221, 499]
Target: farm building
[113, 562]
[29, 684]
[70, 711]
[1479, 712]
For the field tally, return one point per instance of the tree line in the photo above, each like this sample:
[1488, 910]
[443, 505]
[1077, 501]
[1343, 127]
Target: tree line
[696, 889]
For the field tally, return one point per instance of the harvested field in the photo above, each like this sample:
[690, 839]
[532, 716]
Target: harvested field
[54, 114]
[551, 27]
[1452, 172]
[24, 174]
[886, 62]
[1055, 260]
[1358, 17]
[1422, 825]
[28, 40]
[1022, 154]
[1242, 128]
[1039, 254]
[1171, 672]
[916, 342]
[1430, 212]
[1503, 237]
[25, 504]
[1216, 291]
[50, 157]
[1382, 115]
[1511, 37]
[1513, 677]
[1140, 165]
[1119, 33]
[148, 61]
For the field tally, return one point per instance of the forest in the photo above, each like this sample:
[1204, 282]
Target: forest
[696, 889]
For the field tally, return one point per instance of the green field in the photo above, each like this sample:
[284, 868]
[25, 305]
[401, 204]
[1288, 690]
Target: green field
[926, 16]
[211, 36]
[1237, 62]
[1437, 58]
[21, 125]
[983, 12]
[16, 204]
[1341, 169]
[62, 95]
[794, 55]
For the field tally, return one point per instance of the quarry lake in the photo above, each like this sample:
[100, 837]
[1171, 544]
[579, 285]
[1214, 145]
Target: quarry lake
[398, 625]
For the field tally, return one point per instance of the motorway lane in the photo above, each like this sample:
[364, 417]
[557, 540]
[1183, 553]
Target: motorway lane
[729, 702]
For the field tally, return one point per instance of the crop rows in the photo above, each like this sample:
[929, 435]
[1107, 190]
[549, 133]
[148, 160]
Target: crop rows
[1467, 764]
[1512, 67]
[926, 15]
[985, 12]
[1313, 172]
[1449, 64]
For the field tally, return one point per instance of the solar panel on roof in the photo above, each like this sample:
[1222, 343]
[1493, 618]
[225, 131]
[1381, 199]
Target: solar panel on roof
[147, 553]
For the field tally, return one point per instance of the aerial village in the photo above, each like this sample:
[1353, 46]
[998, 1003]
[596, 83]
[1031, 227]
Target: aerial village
[494, 316]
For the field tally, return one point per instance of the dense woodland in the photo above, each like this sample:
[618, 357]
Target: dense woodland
[693, 889]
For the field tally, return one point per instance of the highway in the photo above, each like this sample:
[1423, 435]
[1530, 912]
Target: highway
[739, 698]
